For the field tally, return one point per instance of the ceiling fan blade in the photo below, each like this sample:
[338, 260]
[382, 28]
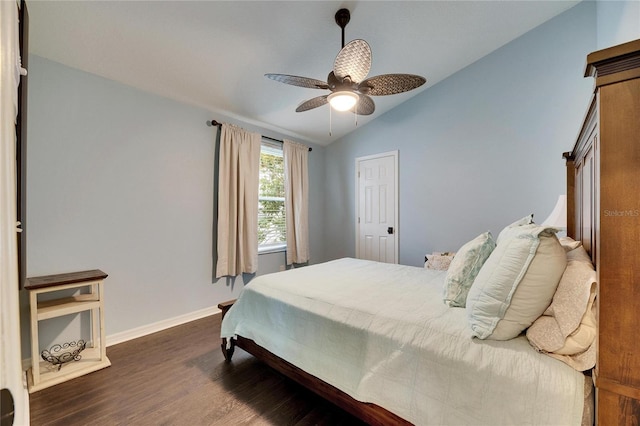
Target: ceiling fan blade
[365, 105]
[390, 84]
[354, 60]
[294, 80]
[312, 103]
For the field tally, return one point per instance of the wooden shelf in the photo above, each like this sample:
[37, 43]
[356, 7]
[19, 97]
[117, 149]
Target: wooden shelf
[66, 306]
[91, 361]
[42, 374]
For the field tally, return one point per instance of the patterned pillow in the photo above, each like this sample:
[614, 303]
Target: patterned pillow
[464, 268]
[438, 261]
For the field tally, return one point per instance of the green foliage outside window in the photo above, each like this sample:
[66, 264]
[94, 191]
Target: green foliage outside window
[271, 219]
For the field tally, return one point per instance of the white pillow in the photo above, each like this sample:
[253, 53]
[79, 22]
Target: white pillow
[527, 220]
[464, 267]
[516, 283]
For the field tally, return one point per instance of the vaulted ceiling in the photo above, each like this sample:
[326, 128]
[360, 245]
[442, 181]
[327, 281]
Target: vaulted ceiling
[214, 54]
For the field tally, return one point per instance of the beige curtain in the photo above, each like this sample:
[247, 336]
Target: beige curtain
[238, 201]
[296, 200]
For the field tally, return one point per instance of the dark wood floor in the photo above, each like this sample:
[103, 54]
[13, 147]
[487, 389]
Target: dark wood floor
[179, 377]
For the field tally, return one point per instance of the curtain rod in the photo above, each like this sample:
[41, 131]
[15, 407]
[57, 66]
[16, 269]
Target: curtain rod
[217, 124]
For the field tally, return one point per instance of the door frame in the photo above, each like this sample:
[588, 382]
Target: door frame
[395, 154]
[12, 376]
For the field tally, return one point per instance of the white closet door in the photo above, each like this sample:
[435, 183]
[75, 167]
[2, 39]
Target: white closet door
[377, 207]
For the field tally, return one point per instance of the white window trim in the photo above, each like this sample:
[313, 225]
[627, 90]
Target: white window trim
[278, 247]
[272, 248]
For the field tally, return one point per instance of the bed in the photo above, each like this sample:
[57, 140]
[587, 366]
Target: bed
[381, 333]
[378, 341]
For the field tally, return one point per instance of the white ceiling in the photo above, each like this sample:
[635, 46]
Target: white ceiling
[214, 54]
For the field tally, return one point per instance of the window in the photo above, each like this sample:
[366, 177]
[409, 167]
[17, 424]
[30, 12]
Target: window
[271, 219]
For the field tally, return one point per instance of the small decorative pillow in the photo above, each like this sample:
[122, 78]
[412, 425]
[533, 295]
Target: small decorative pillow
[438, 261]
[516, 283]
[527, 220]
[464, 268]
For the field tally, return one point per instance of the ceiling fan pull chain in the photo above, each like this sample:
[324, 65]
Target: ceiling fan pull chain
[330, 121]
[356, 113]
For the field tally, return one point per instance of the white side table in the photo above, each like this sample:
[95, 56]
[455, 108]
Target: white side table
[94, 356]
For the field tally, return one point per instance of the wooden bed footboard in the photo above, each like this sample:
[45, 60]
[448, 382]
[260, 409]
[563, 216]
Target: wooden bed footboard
[367, 412]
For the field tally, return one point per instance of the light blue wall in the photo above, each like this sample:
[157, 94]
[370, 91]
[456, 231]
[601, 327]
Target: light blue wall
[618, 22]
[478, 150]
[123, 181]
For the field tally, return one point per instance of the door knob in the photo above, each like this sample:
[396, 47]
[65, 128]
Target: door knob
[390, 230]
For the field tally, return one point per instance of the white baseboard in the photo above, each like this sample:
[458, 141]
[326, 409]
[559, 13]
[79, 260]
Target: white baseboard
[144, 330]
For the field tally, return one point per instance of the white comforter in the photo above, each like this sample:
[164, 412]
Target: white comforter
[382, 334]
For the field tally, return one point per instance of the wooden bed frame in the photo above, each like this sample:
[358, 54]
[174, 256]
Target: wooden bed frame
[603, 211]
[367, 412]
[603, 193]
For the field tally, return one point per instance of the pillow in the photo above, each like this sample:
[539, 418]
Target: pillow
[438, 261]
[579, 255]
[569, 243]
[567, 329]
[516, 283]
[527, 220]
[464, 268]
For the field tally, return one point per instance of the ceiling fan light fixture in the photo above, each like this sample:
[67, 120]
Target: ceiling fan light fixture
[342, 101]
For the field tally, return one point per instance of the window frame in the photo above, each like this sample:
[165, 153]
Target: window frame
[273, 148]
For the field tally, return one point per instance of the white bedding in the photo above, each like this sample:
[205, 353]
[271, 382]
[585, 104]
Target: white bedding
[382, 334]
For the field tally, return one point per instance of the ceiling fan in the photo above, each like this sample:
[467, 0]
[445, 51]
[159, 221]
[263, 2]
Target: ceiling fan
[350, 89]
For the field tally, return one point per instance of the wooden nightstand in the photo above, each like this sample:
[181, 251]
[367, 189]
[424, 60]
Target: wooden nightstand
[94, 357]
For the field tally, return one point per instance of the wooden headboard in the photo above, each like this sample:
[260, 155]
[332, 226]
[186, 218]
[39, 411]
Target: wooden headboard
[603, 211]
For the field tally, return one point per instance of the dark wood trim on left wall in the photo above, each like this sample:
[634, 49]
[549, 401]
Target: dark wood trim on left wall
[21, 145]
